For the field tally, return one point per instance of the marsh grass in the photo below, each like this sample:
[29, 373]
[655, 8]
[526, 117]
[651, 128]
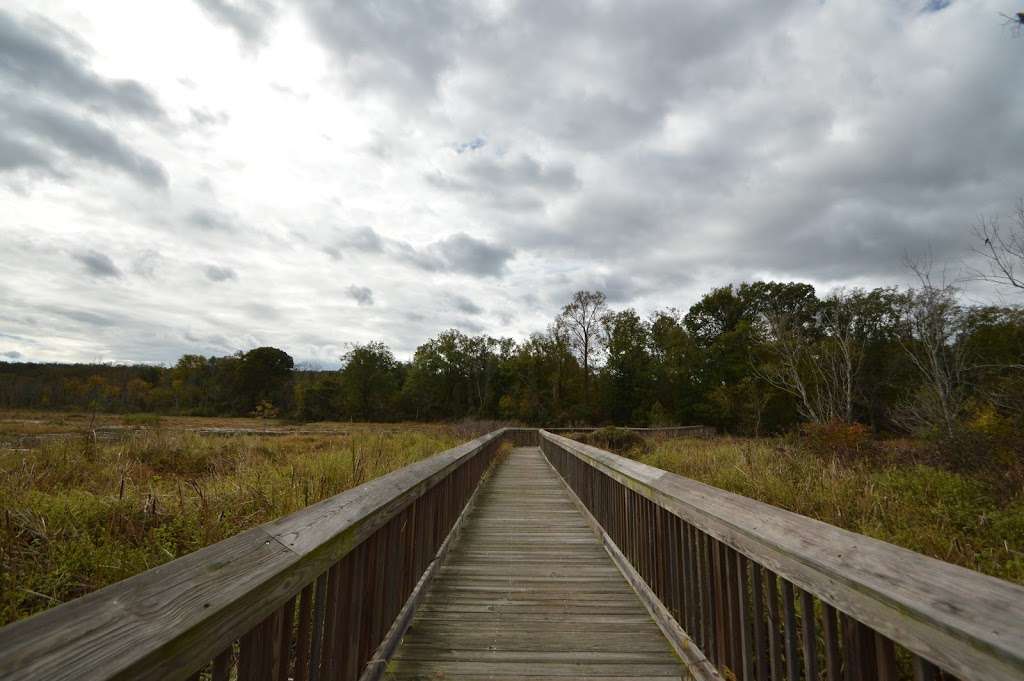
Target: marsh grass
[77, 514]
[893, 497]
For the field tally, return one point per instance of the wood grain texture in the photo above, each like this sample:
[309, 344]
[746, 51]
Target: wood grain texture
[527, 591]
[967, 623]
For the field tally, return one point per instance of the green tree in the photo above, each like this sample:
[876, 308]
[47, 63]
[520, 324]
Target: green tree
[628, 369]
[370, 382]
[263, 374]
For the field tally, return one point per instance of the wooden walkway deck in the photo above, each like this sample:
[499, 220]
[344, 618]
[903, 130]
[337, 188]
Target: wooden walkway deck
[528, 592]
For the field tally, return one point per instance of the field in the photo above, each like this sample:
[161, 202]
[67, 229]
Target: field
[962, 519]
[84, 502]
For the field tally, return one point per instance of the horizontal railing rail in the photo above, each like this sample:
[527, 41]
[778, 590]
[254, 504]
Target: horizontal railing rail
[310, 596]
[755, 592]
[666, 431]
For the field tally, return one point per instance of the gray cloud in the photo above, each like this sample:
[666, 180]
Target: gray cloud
[12, 354]
[28, 60]
[460, 253]
[82, 316]
[363, 239]
[212, 221]
[97, 264]
[401, 49]
[361, 294]
[205, 118]
[464, 304]
[516, 184]
[15, 155]
[468, 255]
[249, 20]
[52, 130]
[49, 97]
[219, 273]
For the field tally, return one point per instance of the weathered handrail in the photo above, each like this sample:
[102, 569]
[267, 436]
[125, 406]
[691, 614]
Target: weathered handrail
[309, 596]
[851, 607]
[667, 431]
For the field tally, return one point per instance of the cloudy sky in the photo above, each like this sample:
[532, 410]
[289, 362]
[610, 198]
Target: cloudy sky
[211, 176]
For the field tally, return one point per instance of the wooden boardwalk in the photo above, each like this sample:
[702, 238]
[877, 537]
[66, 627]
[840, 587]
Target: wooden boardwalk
[527, 591]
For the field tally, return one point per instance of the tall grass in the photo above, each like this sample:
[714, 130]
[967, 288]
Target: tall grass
[955, 517]
[78, 514]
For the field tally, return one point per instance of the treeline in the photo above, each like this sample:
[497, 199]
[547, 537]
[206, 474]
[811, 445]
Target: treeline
[755, 358]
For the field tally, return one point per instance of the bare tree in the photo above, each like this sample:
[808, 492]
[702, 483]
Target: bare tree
[821, 372]
[1002, 250]
[582, 319]
[1014, 22]
[933, 320]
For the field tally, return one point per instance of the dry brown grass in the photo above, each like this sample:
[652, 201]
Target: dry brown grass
[951, 516]
[78, 514]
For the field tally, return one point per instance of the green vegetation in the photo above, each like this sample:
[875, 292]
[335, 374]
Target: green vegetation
[78, 514]
[757, 358]
[891, 493]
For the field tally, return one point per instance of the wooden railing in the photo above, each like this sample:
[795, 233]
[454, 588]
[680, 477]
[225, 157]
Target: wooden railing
[744, 590]
[749, 591]
[655, 431]
[320, 594]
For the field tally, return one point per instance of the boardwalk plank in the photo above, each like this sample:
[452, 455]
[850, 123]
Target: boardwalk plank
[527, 591]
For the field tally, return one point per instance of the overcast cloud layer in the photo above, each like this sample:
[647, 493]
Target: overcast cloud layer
[213, 176]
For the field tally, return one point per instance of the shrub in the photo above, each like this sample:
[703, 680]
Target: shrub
[142, 420]
[620, 441]
[843, 440]
[989, 445]
[265, 410]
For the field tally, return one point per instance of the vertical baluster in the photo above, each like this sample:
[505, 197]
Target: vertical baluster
[256, 650]
[859, 643]
[342, 618]
[302, 640]
[831, 634]
[746, 644]
[810, 637]
[789, 617]
[732, 630]
[369, 588]
[629, 521]
[391, 561]
[686, 580]
[925, 670]
[409, 576]
[659, 552]
[757, 614]
[697, 554]
[648, 527]
[885, 657]
[327, 657]
[642, 526]
[319, 608]
[708, 600]
[352, 665]
[669, 557]
[774, 626]
[284, 647]
[222, 665]
[652, 538]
